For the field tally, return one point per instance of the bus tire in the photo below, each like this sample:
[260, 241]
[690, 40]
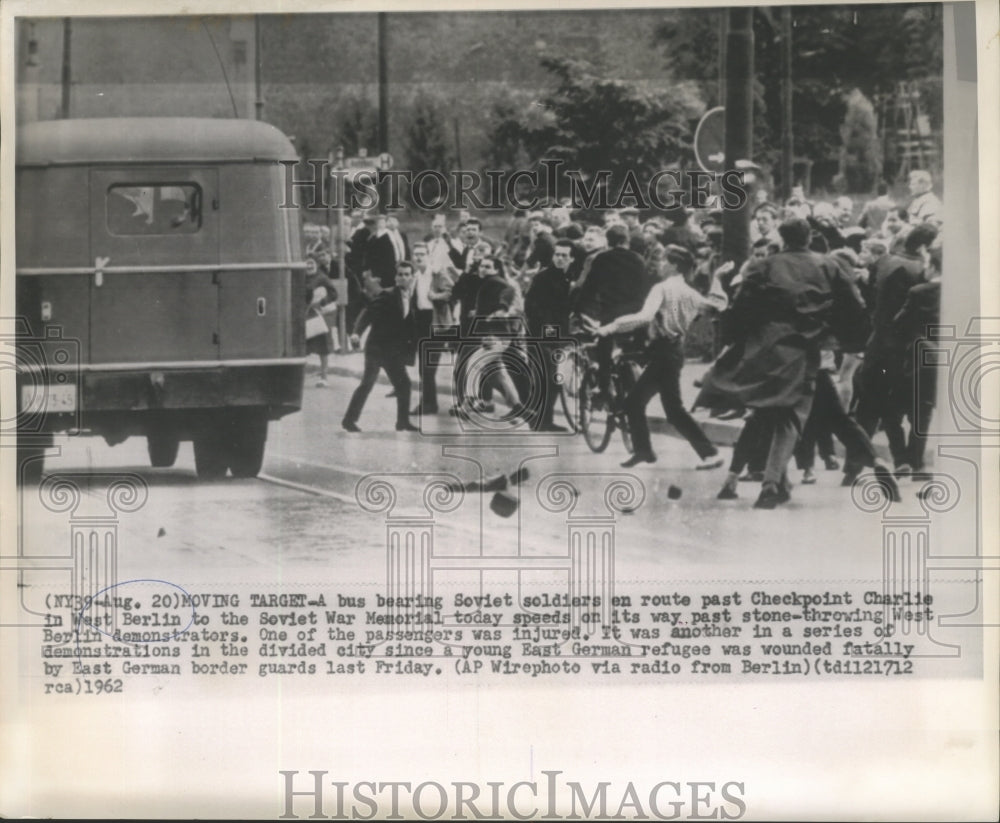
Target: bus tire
[209, 455]
[246, 444]
[162, 447]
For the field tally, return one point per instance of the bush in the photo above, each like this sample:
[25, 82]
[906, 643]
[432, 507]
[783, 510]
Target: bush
[861, 150]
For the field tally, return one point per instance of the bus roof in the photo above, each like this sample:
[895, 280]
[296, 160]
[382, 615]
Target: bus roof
[149, 140]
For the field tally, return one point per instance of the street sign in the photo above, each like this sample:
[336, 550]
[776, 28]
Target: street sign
[710, 140]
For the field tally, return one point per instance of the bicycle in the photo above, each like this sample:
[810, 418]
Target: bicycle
[598, 414]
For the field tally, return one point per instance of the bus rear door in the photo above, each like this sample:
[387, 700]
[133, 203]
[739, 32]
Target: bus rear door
[154, 238]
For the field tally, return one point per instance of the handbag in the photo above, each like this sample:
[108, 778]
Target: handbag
[315, 326]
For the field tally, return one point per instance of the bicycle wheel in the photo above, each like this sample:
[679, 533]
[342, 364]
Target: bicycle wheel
[597, 422]
[570, 370]
[626, 376]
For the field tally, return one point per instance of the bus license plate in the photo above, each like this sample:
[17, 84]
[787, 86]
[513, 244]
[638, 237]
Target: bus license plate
[48, 399]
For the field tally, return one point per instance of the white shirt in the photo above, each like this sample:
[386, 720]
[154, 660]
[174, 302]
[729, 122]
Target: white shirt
[397, 244]
[670, 308]
[422, 287]
[437, 254]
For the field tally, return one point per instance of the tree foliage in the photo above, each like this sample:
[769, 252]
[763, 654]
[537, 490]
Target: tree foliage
[861, 152]
[592, 123]
[358, 125]
[426, 140]
[835, 49]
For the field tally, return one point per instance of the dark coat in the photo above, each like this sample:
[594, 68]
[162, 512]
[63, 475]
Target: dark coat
[547, 301]
[391, 335]
[615, 285]
[381, 259]
[784, 313]
[357, 251]
[899, 274]
[913, 326]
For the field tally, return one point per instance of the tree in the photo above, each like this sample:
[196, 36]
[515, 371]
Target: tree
[358, 126]
[861, 151]
[596, 124]
[834, 49]
[426, 142]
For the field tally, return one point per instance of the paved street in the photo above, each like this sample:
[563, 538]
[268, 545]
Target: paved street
[301, 519]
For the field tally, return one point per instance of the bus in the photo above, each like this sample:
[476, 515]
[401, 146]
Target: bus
[159, 286]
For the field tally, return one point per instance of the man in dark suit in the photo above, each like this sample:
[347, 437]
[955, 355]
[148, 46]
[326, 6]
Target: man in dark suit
[547, 304]
[391, 346]
[615, 285]
[882, 372]
[385, 250]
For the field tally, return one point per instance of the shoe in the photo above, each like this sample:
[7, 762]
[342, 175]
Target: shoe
[348, 426]
[903, 470]
[771, 496]
[406, 427]
[727, 492]
[831, 463]
[808, 477]
[321, 384]
[552, 427]
[712, 462]
[889, 484]
[637, 458]
[752, 477]
[849, 478]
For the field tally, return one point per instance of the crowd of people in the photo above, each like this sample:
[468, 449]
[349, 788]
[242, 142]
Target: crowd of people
[815, 332]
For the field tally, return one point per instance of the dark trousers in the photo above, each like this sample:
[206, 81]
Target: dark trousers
[426, 365]
[395, 369]
[663, 376]
[538, 385]
[878, 403]
[751, 447]
[785, 425]
[829, 415]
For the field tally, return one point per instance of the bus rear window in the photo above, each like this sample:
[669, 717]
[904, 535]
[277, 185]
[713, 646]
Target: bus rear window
[154, 209]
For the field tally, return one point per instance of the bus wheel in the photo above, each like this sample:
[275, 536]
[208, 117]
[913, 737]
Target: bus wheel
[162, 447]
[209, 455]
[246, 444]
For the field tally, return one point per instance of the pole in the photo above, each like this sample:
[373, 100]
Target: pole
[383, 95]
[739, 126]
[67, 77]
[723, 34]
[258, 68]
[787, 144]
